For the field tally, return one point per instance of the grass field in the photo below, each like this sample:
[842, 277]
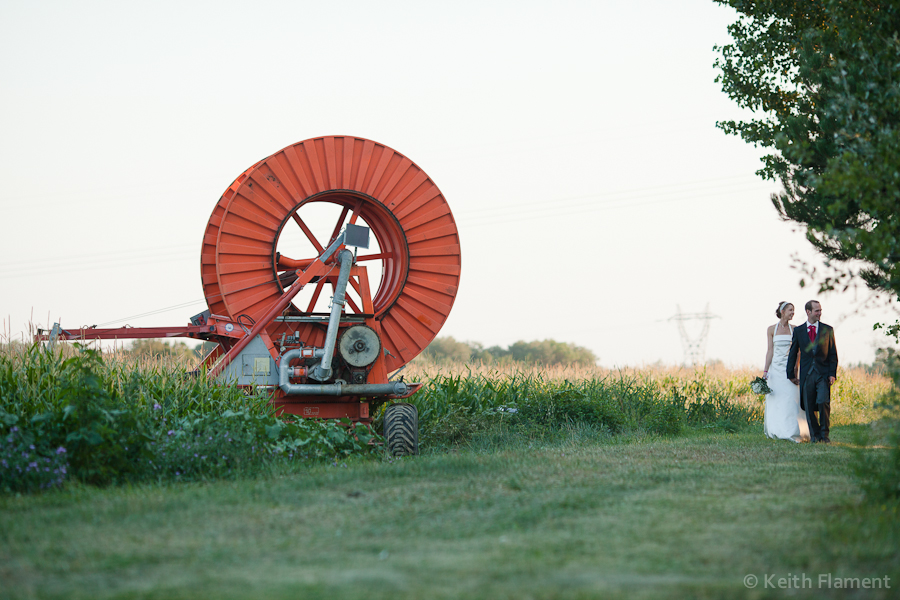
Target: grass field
[588, 489]
[587, 516]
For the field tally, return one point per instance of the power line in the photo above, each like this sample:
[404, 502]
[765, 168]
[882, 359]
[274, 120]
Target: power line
[654, 190]
[539, 209]
[76, 266]
[551, 211]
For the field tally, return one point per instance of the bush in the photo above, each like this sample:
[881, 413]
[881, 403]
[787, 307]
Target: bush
[878, 471]
[28, 464]
[102, 439]
[225, 446]
[109, 422]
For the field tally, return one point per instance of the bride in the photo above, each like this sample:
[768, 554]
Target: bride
[783, 404]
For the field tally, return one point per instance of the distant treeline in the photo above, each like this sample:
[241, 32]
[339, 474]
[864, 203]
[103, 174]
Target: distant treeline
[545, 352]
[441, 350]
[155, 347]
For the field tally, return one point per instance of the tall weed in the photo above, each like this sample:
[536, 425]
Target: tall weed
[453, 407]
[111, 421]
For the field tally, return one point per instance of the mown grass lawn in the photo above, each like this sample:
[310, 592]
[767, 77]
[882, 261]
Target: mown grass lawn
[586, 517]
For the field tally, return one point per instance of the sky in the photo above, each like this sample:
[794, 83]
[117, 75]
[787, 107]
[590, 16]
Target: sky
[575, 143]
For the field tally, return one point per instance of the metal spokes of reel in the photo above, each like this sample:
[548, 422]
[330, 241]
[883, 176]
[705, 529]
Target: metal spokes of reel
[359, 181]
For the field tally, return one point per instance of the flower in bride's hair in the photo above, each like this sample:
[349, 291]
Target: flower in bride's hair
[760, 386]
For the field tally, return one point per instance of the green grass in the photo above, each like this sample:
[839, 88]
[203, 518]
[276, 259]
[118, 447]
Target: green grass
[584, 515]
[629, 484]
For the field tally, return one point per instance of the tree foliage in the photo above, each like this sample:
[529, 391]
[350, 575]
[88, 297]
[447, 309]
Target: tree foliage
[550, 352]
[823, 79]
[447, 349]
[545, 352]
[177, 349]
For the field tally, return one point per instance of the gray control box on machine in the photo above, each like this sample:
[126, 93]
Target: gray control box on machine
[253, 366]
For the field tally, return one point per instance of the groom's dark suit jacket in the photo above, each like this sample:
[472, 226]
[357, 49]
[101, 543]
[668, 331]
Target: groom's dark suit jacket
[819, 358]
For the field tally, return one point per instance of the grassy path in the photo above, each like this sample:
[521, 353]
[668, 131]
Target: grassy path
[633, 518]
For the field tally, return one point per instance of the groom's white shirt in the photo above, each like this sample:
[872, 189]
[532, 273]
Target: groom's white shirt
[815, 326]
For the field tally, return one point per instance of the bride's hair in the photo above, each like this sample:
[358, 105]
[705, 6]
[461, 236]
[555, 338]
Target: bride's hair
[783, 303]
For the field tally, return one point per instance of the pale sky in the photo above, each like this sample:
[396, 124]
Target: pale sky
[574, 142]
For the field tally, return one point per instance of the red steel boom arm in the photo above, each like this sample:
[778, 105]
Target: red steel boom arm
[124, 333]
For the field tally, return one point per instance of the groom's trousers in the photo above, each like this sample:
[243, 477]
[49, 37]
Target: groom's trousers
[817, 397]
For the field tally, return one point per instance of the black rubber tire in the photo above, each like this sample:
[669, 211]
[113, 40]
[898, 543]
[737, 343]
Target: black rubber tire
[401, 429]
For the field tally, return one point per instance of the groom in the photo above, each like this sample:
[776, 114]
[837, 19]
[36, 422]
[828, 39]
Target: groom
[818, 368]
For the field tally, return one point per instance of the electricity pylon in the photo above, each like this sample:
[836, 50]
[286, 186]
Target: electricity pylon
[694, 348]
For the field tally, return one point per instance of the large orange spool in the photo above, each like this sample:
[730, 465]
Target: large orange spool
[418, 241]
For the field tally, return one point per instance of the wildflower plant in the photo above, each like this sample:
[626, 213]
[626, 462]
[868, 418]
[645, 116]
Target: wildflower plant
[26, 466]
[104, 422]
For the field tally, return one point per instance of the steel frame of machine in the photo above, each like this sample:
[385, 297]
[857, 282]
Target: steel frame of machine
[316, 365]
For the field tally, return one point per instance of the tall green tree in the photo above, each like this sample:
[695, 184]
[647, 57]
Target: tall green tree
[447, 349]
[823, 80]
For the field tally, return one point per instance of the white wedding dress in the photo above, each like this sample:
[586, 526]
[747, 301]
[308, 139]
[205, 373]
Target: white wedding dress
[784, 419]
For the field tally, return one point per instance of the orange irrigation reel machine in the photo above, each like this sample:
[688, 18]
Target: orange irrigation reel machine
[321, 361]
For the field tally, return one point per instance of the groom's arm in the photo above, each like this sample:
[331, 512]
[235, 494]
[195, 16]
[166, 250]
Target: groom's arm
[792, 360]
[832, 360]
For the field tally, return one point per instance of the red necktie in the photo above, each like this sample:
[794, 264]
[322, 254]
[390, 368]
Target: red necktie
[812, 333]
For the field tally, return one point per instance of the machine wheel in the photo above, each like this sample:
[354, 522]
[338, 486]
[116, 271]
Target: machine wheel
[401, 429]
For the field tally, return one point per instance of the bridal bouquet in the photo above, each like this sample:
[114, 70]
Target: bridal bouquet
[760, 386]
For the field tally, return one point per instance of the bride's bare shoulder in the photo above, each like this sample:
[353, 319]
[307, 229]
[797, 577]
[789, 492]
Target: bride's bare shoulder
[771, 330]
